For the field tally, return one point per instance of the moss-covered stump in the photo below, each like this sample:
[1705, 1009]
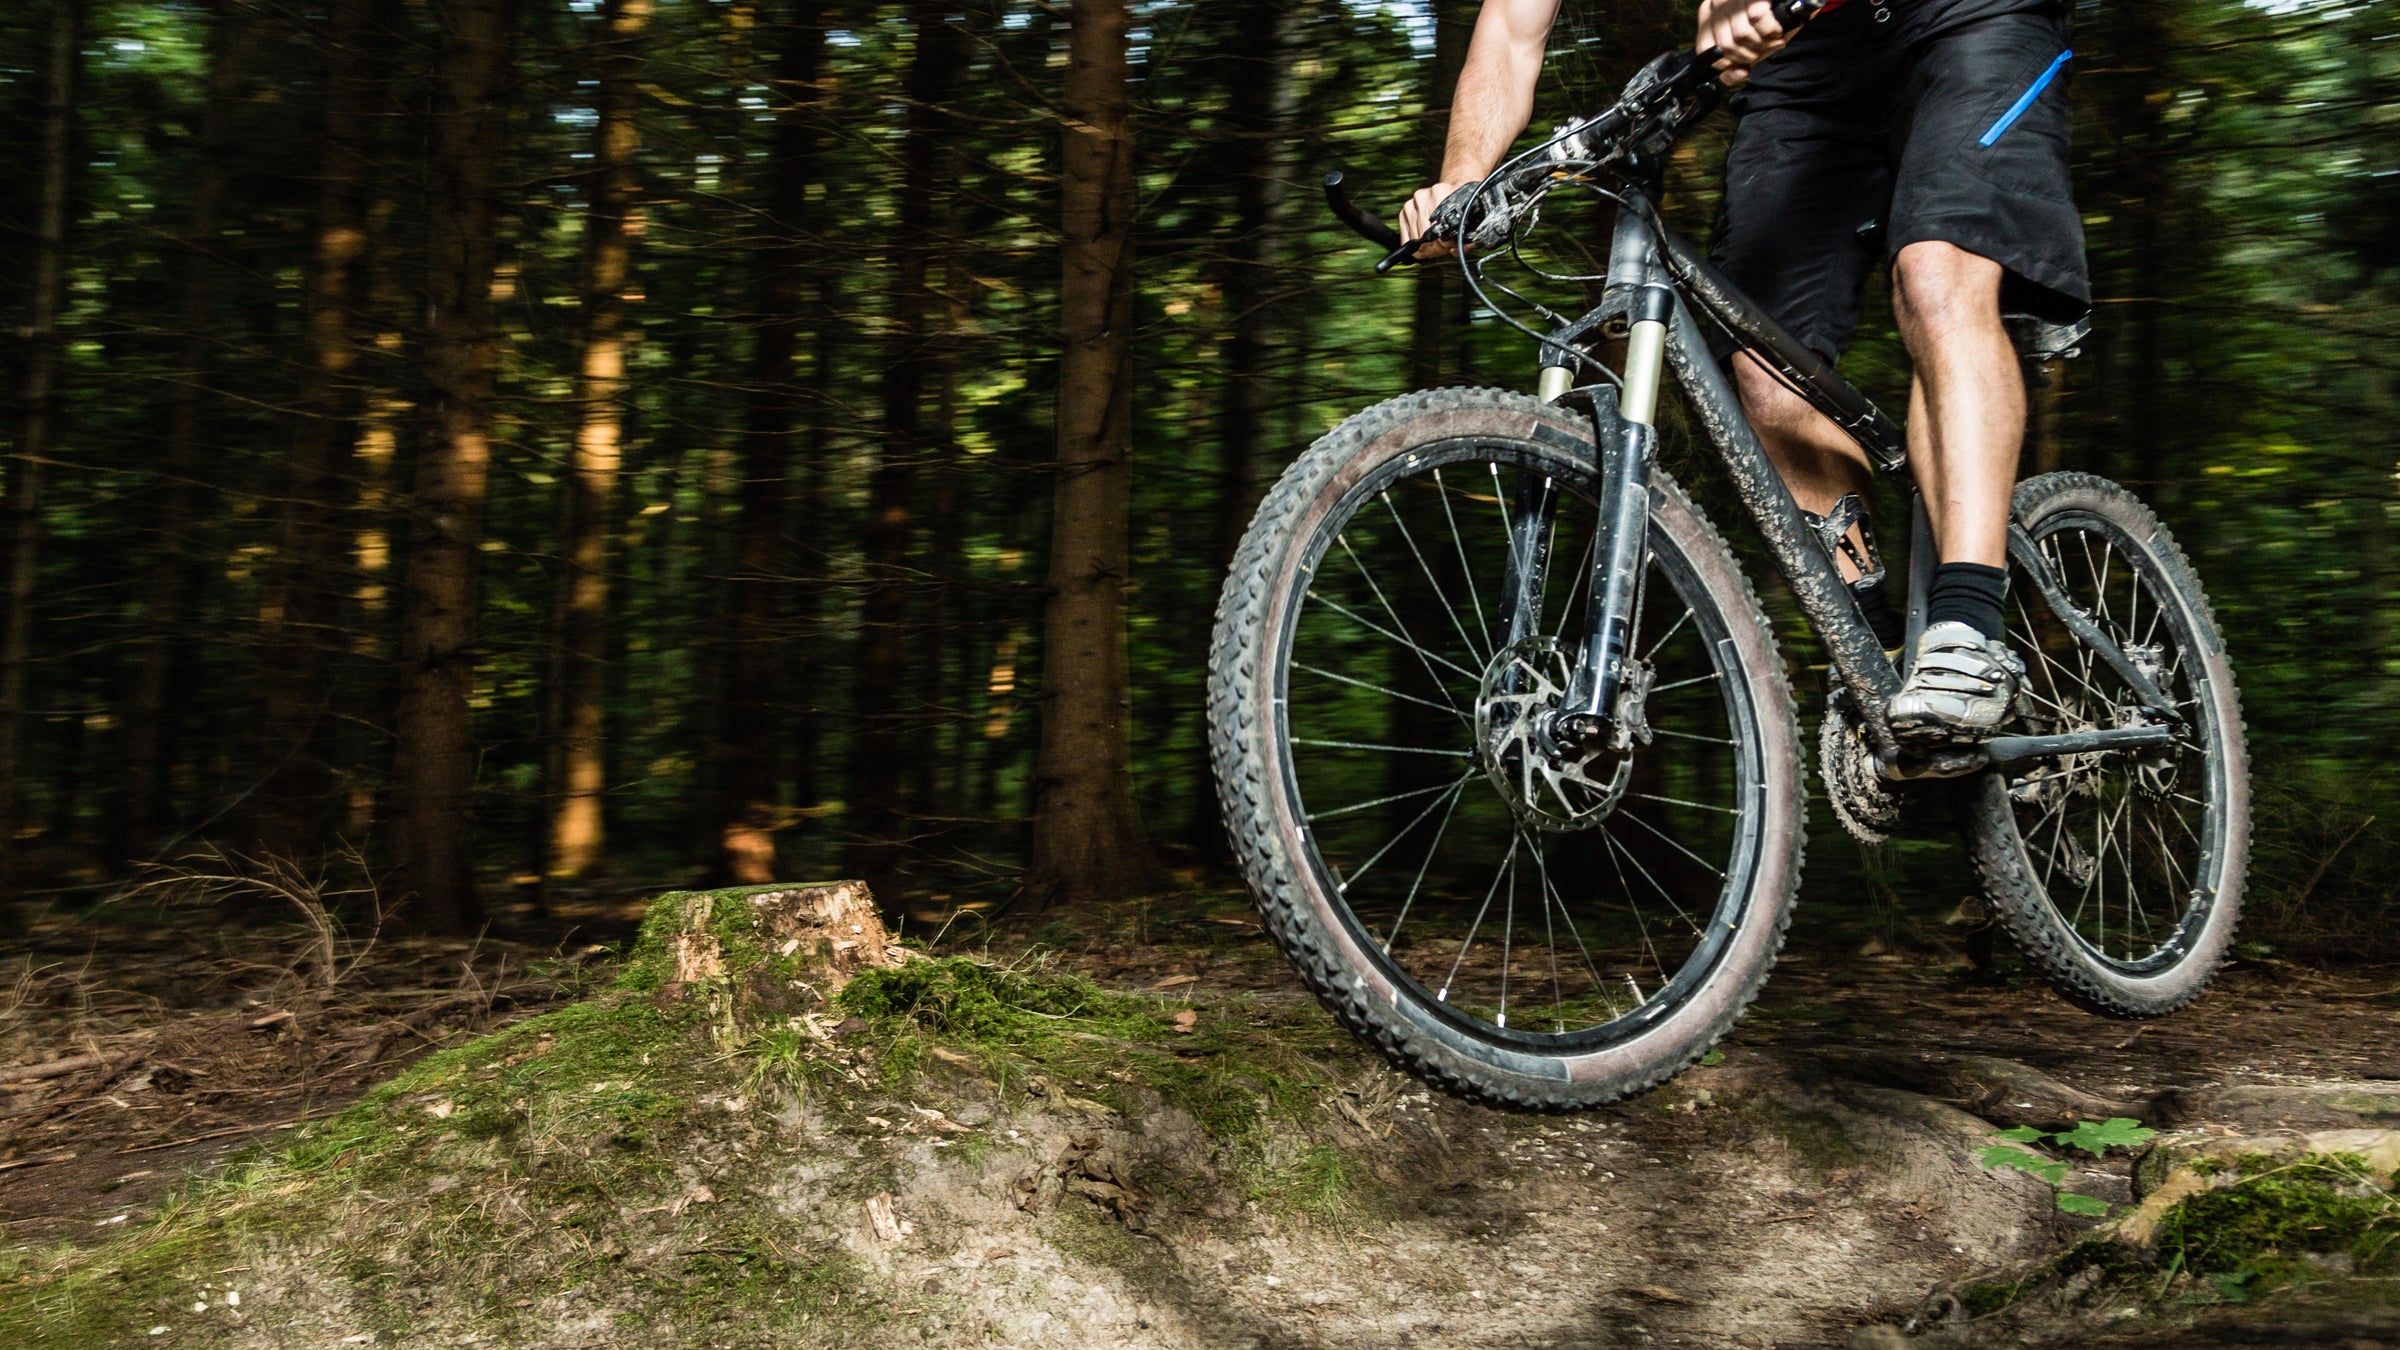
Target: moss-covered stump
[2221, 1221]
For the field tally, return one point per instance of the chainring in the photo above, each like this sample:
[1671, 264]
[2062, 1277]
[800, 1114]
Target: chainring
[1853, 782]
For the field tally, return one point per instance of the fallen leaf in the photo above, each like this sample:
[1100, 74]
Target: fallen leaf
[1185, 1020]
[1173, 980]
[440, 1110]
[1659, 1293]
[950, 1056]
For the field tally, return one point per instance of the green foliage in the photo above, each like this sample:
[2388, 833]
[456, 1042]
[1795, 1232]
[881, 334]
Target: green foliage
[2093, 1137]
[2098, 1137]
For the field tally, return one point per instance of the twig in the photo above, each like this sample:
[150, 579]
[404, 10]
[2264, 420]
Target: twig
[31, 1073]
[234, 1129]
[2326, 863]
[56, 1155]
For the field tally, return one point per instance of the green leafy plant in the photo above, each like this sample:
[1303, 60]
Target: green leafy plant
[2093, 1137]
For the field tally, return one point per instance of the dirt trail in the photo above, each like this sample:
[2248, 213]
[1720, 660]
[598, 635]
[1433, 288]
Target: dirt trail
[1244, 1176]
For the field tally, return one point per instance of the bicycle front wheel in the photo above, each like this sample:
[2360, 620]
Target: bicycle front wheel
[2118, 875]
[1531, 927]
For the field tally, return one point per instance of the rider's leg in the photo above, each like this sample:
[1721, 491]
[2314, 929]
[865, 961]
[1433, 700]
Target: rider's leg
[1966, 408]
[1819, 464]
[1966, 424]
[1817, 461]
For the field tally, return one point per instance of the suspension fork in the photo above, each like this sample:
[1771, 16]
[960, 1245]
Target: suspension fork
[1628, 444]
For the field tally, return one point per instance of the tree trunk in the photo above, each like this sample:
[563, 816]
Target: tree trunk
[434, 759]
[304, 619]
[577, 830]
[1263, 95]
[144, 758]
[23, 505]
[877, 822]
[1087, 836]
[746, 815]
[815, 497]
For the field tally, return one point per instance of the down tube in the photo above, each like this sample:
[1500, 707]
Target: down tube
[1798, 552]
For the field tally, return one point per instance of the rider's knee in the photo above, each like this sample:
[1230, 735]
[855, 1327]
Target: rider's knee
[1938, 287]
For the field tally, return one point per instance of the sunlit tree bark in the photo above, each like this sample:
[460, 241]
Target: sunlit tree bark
[595, 452]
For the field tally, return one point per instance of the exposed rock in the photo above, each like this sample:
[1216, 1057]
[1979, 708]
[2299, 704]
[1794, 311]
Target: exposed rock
[2001, 1091]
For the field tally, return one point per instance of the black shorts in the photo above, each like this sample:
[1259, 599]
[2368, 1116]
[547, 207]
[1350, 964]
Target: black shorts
[1939, 120]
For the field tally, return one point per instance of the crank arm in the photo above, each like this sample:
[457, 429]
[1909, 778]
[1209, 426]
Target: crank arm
[2029, 557]
[1964, 760]
[2010, 749]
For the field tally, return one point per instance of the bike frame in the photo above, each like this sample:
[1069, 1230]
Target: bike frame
[1654, 279]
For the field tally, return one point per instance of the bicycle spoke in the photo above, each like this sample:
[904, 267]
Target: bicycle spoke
[1381, 689]
[1341, 885]
[1430, 579]
[1383, 749]
[1397, 621]
[1671, 842]
[1477, 925]
[1371, 625]
[1419, 884]
[1550, 890]
[1678, 801]
[1458, 543]
[1384, 801]
[1566, 611]
[1663, 892]
[1508, 934]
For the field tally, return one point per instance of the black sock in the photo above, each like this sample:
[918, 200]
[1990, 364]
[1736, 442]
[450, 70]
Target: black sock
[1875, 602]
[1968, 593]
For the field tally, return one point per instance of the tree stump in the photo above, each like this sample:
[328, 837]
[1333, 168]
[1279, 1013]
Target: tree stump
[774, 951]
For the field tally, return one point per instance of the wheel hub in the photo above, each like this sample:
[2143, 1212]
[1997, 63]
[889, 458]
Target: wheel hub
[1551, 787]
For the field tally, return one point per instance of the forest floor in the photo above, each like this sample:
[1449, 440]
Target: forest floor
[1129, 1127]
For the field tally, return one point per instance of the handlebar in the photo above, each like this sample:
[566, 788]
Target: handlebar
[1686, 75]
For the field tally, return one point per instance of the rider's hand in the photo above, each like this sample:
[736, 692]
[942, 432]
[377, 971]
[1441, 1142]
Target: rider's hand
[1416, 215]
[1744, 30]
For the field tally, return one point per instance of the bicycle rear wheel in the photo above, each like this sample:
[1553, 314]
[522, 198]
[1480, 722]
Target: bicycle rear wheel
[2119, 875]
[1530, 929]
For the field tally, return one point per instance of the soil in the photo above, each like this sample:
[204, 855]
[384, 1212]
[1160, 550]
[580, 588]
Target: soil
[1816, 1186]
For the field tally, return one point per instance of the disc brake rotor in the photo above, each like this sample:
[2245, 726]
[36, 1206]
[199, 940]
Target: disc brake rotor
[1550, 788]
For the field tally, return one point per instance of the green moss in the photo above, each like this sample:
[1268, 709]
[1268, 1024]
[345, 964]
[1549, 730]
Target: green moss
[2322, 1205]
[978, 1004]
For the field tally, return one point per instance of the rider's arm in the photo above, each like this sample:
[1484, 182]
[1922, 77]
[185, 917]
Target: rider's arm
[1493, 103]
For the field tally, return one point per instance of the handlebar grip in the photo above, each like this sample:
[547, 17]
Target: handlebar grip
[1790, 14]
[1368, 225]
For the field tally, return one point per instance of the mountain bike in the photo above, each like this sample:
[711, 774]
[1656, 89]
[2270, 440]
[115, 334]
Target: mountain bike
[1505, 743]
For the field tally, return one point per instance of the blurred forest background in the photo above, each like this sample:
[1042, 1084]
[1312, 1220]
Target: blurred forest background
[521, 449]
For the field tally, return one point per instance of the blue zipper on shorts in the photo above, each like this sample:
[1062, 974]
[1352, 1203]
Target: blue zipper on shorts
[2009, 119]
